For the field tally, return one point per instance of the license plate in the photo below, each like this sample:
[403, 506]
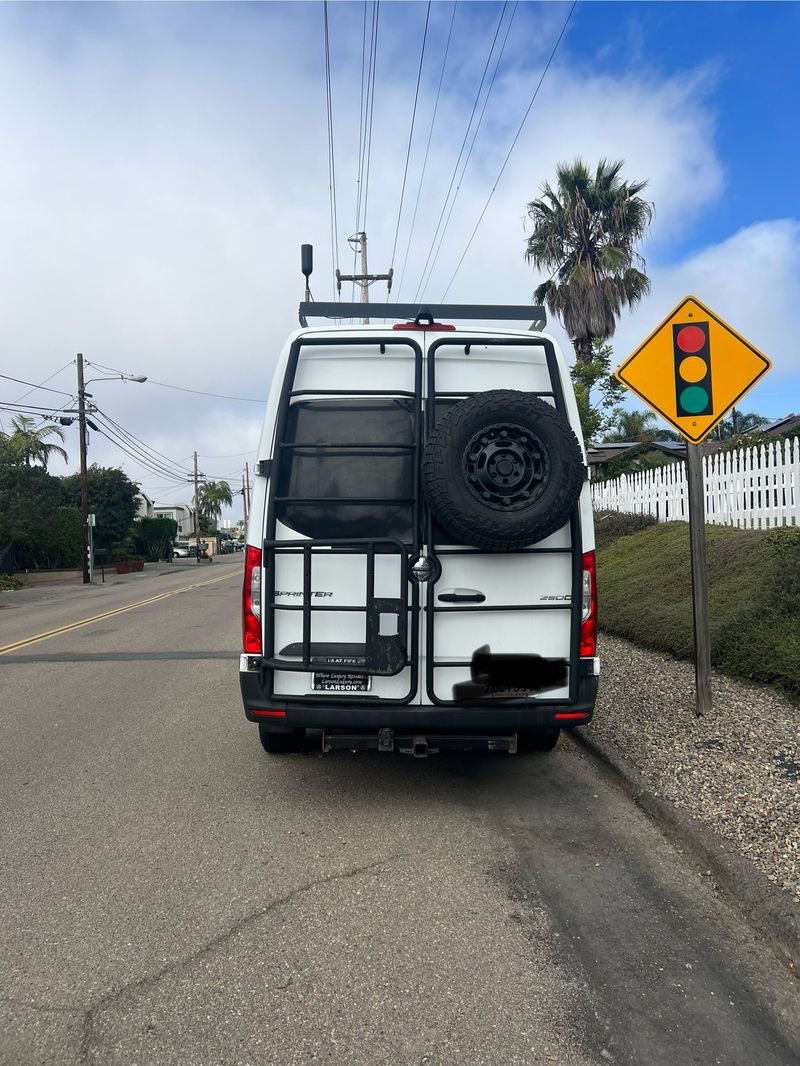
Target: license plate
[341, 680]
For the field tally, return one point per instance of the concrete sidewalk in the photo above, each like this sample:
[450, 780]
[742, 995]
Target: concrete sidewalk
[62, 590]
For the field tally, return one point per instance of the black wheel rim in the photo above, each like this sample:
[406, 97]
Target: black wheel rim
[506, 466]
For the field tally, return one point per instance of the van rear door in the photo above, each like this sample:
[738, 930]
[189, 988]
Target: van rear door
[520, 602]
[343, 518]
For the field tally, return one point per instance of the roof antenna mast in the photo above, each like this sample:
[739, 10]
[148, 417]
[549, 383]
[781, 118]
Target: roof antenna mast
[307, 265]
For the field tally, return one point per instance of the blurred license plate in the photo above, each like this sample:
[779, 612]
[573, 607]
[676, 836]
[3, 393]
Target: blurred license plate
[341, 680]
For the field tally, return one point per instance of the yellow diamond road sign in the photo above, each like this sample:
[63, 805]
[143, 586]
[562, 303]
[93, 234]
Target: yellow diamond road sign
[692, 369]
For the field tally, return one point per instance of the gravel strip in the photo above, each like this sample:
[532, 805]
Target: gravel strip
[737, 770]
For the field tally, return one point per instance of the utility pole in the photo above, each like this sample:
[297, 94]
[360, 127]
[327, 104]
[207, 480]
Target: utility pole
[196, 514]
[244, 500]
[87, 578]
[247, 484]
[364, 279]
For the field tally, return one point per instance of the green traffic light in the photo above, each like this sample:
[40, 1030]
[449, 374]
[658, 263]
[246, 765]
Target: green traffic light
[694, 399]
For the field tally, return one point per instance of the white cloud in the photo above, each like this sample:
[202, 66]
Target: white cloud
[752, 280]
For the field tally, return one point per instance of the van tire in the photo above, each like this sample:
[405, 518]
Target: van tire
[280, 743]
[530, 742]
[483, 438]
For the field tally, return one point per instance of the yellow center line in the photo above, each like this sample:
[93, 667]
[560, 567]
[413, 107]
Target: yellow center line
[4, 648]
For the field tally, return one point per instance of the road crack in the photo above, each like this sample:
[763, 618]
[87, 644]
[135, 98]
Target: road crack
[174, 967]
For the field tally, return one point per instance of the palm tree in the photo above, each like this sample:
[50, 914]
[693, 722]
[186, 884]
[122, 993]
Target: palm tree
[211, 498]
[28, 442]
[584, 236]
[636, 426]
[632, 425]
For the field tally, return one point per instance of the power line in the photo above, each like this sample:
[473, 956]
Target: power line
[371, 109]
[361, 139]
[427, 148]
[34, 386]
[513, 143]
[180, 388]
[50, 378]
[197, 392]
[233, 455]
[164, 487]
[365, 123]
[27, 408]
[331, 149]
[138, 457]
[155, 460]
[134, 441]
[472, 143]
[103, 432]
[411, 132]
[461, 150]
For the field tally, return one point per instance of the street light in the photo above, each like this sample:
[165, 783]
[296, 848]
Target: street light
[139, 378]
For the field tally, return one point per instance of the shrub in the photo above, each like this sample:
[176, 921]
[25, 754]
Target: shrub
[609, 525]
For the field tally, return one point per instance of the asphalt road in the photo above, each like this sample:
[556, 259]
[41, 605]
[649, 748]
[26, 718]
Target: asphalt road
[171, 894]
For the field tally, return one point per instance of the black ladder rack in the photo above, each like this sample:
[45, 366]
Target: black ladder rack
[532, 313]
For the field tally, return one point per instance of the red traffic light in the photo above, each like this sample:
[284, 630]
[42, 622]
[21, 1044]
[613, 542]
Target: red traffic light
[690, 339]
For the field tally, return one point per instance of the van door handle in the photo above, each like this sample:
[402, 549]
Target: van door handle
[461, 596]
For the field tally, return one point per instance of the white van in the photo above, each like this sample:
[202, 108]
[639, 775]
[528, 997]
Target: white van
[420, 568]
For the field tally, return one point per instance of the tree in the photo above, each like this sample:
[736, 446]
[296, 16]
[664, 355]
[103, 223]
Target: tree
[632, 461]
[584, 236]
[211, 498]
[58, 543]
[596, 390]
[112, 498]
[152, 535]
[636, 426]
[27, 496]
[28, 444]
[631, 425]
[739, 424]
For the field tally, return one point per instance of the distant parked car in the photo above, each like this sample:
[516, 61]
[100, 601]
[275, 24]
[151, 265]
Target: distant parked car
[180, 551]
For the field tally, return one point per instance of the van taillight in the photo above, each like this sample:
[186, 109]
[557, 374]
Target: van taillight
[589, 606]
[251, 601]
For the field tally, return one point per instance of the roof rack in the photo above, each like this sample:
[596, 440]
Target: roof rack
[432, 312]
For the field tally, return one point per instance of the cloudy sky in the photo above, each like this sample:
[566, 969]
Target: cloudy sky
[162, 164]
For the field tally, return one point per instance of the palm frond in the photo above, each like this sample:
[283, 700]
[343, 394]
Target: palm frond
[585, 235]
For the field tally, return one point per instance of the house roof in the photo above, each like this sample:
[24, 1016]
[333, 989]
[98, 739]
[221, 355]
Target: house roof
[783, 425]
[602, 453]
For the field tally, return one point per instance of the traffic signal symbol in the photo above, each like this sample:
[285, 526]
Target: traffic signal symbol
[692, 369]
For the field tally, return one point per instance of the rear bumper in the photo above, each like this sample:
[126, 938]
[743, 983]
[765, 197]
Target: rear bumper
[366, 717]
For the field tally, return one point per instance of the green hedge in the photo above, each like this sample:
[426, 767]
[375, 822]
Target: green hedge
[610, 525]
[645, 590]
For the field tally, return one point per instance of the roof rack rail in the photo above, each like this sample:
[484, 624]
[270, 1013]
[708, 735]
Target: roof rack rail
[432, 312]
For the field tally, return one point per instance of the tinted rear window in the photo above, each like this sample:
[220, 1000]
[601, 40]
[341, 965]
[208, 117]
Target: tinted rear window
[331, 492]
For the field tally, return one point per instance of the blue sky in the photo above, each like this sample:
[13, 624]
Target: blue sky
[162, 164]
[750, 52]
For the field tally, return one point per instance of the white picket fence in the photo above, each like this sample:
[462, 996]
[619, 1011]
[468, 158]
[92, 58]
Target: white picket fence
[753, 488]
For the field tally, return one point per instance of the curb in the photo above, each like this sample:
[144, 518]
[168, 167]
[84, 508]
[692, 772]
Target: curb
[770, 911]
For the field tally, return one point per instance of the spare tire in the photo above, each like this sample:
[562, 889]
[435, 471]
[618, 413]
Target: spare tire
[502, 470]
